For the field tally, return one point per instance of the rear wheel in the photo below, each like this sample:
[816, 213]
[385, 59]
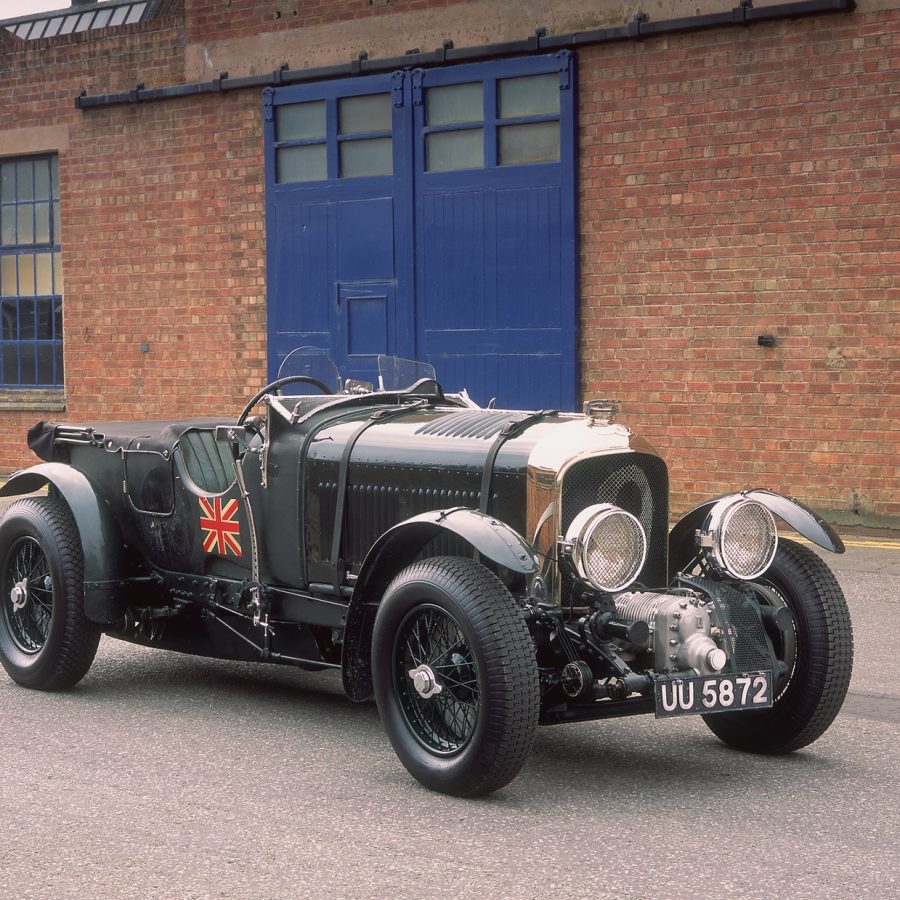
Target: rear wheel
[817, 656]
[46, 641]
[455, 676]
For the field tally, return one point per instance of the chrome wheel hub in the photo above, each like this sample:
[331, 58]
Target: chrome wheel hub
[424, 681]
[19, 594]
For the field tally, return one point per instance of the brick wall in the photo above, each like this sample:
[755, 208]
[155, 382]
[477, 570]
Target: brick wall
[162, 229]
[210, 20]
[736, 183]
[733, 183]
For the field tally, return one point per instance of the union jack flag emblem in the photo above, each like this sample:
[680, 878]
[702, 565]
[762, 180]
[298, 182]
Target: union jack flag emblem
[220, 526]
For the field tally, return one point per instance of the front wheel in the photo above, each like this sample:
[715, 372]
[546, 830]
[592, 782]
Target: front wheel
[46, 641]
[455, 676]
[816, 654]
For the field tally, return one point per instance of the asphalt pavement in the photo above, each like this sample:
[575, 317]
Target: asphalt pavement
[166, 776]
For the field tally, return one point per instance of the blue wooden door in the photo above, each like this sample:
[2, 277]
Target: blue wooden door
[441, 228]
[338, 209]
[495, 229]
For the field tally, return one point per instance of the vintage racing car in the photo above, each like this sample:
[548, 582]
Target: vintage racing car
[478, 571]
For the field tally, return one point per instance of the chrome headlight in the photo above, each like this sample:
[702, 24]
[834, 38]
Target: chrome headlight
[739, 538]
[608, 546]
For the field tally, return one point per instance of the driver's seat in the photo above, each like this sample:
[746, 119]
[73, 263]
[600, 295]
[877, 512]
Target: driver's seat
[208, 462]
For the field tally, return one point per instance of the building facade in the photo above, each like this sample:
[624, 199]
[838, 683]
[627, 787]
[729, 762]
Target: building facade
[695, 212]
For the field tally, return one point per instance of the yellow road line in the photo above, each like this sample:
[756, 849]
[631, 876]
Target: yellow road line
[877, 543]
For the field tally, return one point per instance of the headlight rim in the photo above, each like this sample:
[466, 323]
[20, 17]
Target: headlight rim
[712, 535]
[578, 536]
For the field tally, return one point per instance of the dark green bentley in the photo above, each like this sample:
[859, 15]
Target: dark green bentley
[478, 571]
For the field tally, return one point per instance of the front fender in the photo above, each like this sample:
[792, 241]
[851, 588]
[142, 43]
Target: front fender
[800, 517]
[395, 550]
[101, 541]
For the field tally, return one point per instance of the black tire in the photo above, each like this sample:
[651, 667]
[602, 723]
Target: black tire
[817, 652]
[473, 736]
[46, 641]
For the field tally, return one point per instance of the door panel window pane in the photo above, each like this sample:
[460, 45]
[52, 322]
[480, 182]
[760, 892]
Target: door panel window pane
[361, 115]
[300, 121]
[449, 150]
[366, 158]
[305, 163]
[529, 143]
[454, 104]
[532, 95]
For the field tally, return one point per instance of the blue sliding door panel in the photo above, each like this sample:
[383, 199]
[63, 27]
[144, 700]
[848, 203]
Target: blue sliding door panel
[430, 214]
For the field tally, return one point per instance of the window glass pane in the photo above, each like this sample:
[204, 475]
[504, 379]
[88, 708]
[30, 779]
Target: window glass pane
[8, 276]
[366, 158]
[305, 163]
[26, 363]
[532, 142]
[58, 353]
[25, 216]
[45, 320]
[533, 95]
[42, 223]
[56, 236]
[454, 103]
[57, 273]
[25, 181]
[45, 363]
[7, 225]
[54, 175]
[42, 179]
[359, 115]
[8, 182]
[299, 121]
[26, 320]
[447, 150]
[44, 265]
[11, 363]
[26, 275]
[57, 319]
[10, 330]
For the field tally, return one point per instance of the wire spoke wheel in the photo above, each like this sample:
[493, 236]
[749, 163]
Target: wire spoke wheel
[442, 718]
[27, 595]
[46, 641]
[455, 676]
[815, 655]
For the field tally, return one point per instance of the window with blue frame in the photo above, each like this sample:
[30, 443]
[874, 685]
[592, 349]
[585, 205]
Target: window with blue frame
[347, 137]
[31, 285]
[493, 122]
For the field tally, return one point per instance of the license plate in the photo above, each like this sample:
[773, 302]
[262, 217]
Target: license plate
[712, 694]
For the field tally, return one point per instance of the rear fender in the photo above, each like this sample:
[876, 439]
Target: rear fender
[395, 550]
[101, 541]
[682, 545]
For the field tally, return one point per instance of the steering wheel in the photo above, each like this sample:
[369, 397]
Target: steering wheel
[276, 386]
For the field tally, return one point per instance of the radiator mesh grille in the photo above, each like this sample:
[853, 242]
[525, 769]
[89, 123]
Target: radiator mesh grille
[635, 482]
